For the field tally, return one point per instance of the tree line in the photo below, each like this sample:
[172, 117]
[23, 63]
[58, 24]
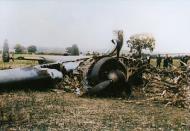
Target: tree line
[73, 50]
[20, 49]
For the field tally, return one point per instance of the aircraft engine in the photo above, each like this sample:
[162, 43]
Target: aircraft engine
[106, 77]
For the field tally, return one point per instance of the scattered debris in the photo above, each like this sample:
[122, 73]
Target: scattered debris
[169, 86]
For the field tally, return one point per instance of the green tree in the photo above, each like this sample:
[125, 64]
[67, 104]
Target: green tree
[69, 50]
[5, 55]
[141, 41]
[19, 48]
[74, 50]
[32, 49]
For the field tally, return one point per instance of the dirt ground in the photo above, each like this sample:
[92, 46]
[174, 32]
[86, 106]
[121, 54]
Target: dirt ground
[65, 111]
[58, 110]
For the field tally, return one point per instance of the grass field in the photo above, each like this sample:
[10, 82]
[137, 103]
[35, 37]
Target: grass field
[57, 110]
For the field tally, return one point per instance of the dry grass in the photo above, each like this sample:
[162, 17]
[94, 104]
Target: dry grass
[16, 64]
[57, 110]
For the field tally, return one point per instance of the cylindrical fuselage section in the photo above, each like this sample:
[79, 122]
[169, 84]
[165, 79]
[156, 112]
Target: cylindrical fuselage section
[23, 77]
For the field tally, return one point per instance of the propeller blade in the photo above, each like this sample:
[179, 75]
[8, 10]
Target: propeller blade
[99, 87]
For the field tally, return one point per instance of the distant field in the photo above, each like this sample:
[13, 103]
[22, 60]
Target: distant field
[57, 110]
[21, 63]
[16, 63]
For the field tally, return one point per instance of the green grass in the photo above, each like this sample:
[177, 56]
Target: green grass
[17, 63]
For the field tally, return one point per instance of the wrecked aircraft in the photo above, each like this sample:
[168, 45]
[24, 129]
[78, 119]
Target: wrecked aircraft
[109, 74]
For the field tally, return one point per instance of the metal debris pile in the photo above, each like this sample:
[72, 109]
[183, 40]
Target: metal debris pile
[69, 84]
[169, 86]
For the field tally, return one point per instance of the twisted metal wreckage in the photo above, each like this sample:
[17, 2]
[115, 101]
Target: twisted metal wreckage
[105, 75]
[101, 75]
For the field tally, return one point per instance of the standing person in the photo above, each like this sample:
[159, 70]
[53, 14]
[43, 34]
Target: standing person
[170, 59]
[12, 56]
[166, 60]
[158, 61]
[181, 60]
[186, 59]
[148, 59]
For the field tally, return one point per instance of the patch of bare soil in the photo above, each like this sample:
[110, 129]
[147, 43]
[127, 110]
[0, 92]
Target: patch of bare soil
[65, 111]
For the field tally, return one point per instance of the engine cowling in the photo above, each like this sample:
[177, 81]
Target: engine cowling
[106, 77]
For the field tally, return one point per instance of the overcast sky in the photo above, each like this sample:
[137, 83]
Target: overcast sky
[60, 23]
